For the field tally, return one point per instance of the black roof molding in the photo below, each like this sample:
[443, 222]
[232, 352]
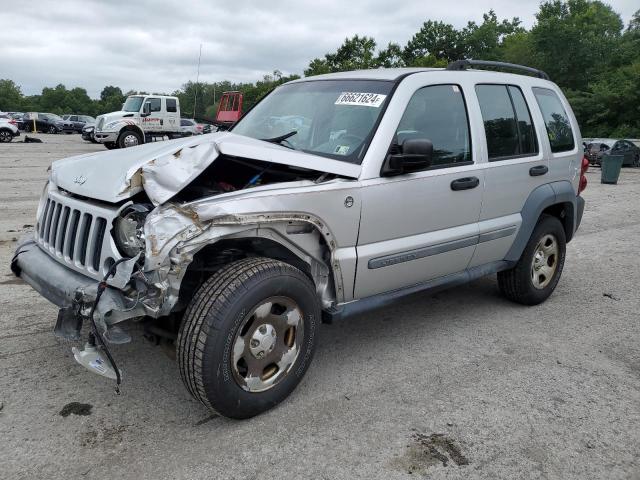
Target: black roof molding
[464, 64]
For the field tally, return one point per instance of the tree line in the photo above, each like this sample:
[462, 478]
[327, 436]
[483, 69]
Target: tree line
[582, 44]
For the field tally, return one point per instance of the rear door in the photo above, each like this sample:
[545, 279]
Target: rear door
[171, 115]
[423, 225]
[514, 167]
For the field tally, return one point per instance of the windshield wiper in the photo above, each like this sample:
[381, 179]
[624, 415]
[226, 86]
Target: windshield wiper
[280, 138]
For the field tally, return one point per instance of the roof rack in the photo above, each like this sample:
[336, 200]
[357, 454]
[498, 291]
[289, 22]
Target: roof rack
[464, 64]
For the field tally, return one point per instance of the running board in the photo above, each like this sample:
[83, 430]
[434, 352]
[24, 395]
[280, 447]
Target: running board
[357, 307]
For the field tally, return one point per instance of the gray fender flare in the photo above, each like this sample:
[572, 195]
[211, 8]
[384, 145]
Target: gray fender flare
[541, 198]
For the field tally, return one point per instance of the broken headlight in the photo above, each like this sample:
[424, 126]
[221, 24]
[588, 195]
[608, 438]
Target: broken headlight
[129, 229]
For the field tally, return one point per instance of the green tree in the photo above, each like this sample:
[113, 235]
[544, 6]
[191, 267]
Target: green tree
[575, 40]
[356, 53]
[436, 39]
[10, 96]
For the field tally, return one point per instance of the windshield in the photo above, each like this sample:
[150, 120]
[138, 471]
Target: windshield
[332, 118]
[132, 104]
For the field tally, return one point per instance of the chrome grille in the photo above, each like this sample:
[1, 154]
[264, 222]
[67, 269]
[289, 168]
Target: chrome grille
[74, 232]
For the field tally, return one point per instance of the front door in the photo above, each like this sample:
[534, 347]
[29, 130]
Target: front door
[419, 226]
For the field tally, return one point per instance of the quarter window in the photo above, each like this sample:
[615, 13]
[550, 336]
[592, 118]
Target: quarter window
[155, 104]
[438, 113]
[555, 119]
[507, 122]
[172, 105]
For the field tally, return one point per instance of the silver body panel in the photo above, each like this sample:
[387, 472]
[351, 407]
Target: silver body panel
[383, 234]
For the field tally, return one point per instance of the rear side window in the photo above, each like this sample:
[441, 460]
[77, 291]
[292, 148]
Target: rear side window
[507, 122]
[155, 104]
[171, 105]
[438, 113]
[555, 119]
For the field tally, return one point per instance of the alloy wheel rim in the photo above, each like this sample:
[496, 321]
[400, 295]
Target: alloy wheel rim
[545, 261]
[130, 141]
[4, 136]
[267, 344]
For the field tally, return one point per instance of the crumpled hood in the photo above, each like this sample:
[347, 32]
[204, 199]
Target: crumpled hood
[163, 169]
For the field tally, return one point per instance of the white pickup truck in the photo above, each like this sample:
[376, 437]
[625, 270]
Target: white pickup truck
[143, 118]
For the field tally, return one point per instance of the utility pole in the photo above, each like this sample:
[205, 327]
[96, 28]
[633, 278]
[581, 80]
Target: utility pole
[195, 94]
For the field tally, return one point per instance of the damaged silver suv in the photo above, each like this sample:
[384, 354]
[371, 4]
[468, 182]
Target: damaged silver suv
[332, 196]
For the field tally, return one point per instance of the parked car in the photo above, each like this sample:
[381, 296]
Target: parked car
[8, 129]
[599, 147]
[87, 132]
[189, 126]
[45, 122]
[402, 181]
[79, 121]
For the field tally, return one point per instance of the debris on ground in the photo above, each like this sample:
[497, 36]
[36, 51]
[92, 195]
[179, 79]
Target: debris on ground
[76, 408]
[428, 451]
[611, 296]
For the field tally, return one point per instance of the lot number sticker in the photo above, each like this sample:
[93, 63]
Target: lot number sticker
[362, 99]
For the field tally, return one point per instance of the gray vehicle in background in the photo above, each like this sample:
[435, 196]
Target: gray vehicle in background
[189, 126]
[333, 196]
[77, 122]
[597, 148]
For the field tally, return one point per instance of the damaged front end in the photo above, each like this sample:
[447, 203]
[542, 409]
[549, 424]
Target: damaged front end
[118, 233]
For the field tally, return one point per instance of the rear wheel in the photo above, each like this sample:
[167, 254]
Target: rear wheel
[129, 138]
[248, 336]
[534, 278]
[636, 160]
[52, 129]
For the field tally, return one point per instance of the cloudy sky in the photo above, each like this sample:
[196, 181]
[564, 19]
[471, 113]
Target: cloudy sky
[153, 46]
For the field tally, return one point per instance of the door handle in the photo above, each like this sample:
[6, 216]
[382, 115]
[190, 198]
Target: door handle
[465, 183]
[538, 170]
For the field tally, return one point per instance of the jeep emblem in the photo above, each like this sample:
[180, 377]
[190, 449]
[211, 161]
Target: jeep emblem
[80, 180]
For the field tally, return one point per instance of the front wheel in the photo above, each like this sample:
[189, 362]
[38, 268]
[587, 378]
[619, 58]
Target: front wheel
[129, 138]
[534, 278]
[248, 336]
[52, 129]
[5, 136]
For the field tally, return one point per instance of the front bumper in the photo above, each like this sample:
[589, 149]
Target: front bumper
[104, 137]
[68, 289]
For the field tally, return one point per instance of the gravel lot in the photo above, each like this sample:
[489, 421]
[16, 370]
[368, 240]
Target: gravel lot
[462, 384]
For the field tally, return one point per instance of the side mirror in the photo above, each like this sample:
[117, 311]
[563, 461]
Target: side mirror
[146, 109]
[415, 154]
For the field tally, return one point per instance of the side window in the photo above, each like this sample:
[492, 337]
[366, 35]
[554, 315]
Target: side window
[185, 123]
[155, 104]
[172, 105]
[555, 119]
[73, 118]
[526, 131]
[438, 113]
[499, 118]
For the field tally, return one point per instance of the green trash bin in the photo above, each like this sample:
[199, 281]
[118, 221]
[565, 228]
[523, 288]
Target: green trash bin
[611, 166]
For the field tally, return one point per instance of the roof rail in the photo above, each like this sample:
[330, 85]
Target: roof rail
[464, 64]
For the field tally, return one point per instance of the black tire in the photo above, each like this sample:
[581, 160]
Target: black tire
[5, 135]
[216, 314]
[52, 129]
[110, 145]
[124, 142]
[517, 283]
[636, 161]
